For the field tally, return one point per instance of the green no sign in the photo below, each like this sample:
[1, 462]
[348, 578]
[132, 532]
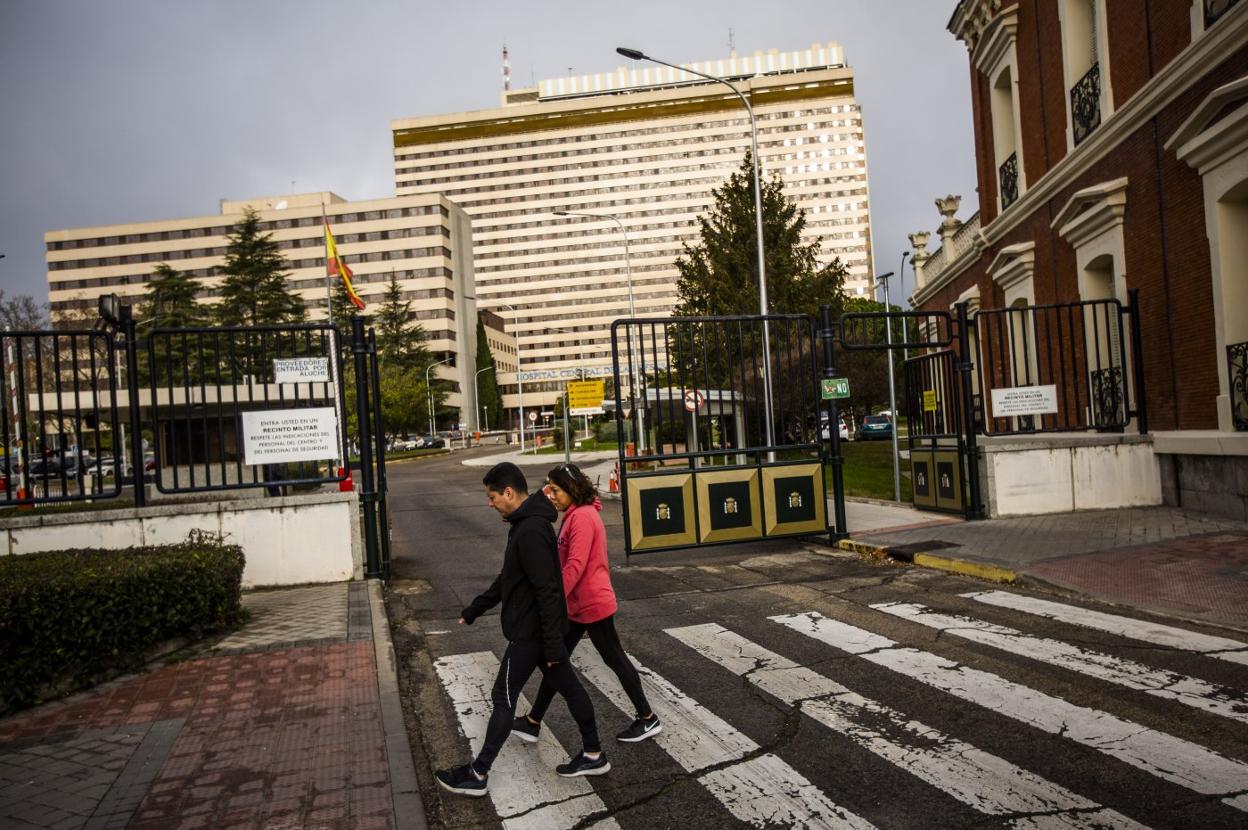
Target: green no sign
[834, 388]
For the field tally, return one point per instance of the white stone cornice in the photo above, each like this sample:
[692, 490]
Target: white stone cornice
[1092, 211]
[1204, 140]
[998, 38]
[970, 18]
[1013, 264]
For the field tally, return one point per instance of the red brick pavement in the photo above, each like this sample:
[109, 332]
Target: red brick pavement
[1203, 577]
[272, 739]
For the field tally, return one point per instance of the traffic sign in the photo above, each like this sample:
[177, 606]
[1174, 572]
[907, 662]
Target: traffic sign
[831, 388]
[929, 400]
[694, 400]
[585, 397]
[532, 415]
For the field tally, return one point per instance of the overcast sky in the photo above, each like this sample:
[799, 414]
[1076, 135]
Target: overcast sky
[135, 110]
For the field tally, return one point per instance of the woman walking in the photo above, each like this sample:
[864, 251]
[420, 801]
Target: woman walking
[591, 600]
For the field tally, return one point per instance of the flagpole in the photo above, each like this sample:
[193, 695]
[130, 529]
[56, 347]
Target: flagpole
[340, 463]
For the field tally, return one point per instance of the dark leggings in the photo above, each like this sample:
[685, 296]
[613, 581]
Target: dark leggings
[602, 635]
[519, 661]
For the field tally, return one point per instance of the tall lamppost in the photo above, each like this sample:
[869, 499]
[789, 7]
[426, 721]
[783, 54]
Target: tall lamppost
[638, 55]
[476, 396]
[632, 312]
[580, 347]
[429, 391]
[882, 279]
[515, 324]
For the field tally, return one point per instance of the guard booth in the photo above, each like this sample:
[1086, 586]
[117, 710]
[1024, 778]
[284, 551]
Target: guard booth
[724, 416]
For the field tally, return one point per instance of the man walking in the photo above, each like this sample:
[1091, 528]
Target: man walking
[534, 620]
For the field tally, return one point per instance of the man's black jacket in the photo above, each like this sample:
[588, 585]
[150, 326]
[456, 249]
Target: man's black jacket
[530, 585]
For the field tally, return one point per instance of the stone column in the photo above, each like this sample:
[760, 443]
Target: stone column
[918, 241]
[948, 206]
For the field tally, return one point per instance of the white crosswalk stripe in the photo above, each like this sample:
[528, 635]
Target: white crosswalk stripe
[1164, 756]
[523, 778]
[1190, 691]
[761, 790]
[1223, 648]
[982, 781]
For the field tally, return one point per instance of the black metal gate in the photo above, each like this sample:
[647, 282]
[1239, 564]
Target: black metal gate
[720, 430]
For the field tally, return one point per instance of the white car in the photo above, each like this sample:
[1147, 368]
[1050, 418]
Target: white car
[844, 430]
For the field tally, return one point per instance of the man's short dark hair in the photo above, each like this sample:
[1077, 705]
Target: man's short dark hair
[504, 475]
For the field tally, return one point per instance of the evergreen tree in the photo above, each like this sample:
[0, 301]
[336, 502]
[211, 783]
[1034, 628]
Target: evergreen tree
[867, 369]
[254, 292]
[170, 304]
[399, 341]
[488, 394]
[719, 275]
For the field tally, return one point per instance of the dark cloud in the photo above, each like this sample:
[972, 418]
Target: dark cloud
[135, 110]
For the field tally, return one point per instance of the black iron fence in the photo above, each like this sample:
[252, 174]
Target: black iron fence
[1085, 104]
[1059, 368]
[62, 431]
[1237, 367]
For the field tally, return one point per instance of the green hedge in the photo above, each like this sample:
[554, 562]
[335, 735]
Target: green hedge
[69, 617]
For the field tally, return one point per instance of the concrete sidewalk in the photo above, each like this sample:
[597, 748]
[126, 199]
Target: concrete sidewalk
[294, 721]
[1158, 559]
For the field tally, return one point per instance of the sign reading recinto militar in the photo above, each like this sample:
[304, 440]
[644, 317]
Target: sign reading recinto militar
[278, 436]
[1024, 400]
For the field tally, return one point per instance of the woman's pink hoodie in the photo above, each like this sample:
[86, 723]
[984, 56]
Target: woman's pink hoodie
[583, 556]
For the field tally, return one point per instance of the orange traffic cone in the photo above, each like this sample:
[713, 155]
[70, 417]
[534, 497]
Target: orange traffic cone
[614, 480]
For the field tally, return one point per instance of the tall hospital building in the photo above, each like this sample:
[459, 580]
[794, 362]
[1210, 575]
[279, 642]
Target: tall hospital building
[646, 147]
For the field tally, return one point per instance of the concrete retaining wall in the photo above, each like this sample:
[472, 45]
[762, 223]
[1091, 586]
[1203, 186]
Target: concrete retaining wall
[287, 541]
[1037, 475]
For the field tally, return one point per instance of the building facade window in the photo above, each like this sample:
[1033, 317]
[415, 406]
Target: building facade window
[1085, 65]
[997, 58]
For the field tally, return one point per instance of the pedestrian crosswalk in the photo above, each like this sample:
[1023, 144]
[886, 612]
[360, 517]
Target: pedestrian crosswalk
[924, 753]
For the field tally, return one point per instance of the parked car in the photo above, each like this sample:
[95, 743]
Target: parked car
[875, 427]
[431, 442]
[844, 430]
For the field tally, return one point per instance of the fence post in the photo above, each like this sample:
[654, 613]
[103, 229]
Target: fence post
[974, 510]
[1137, 361]
[379, 436]
[368, 493]
[138, 475]
[834, 426]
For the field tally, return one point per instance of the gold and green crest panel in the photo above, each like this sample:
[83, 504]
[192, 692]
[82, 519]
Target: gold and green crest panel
[793, 499]
[660, 511]
[729, 507]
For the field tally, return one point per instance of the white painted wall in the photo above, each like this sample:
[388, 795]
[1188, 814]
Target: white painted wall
[287, 541]
[1028, 478]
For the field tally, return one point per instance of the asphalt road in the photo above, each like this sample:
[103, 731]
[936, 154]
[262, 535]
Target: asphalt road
[788, 700]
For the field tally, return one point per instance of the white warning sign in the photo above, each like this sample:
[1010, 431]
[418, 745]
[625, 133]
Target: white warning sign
[1024, 400]
[278, 436]
[300, 369]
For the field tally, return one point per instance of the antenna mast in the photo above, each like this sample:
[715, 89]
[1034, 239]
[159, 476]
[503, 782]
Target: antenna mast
[506, 70]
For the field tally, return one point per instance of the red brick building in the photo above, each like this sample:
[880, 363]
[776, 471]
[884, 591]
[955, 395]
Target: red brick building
[1111, 140]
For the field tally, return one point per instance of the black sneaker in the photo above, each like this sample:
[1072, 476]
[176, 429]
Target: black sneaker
[583, 765]
[462, 780]
[640, 730]
[525, 730]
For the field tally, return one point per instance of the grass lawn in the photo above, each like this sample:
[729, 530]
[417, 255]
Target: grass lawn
[868, 470]
[587, 445]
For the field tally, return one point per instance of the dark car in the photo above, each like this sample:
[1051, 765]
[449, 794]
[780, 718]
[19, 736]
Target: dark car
[432, 442]
[875, 427]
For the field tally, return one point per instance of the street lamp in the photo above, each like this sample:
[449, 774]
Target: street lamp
[638, 55]
[580, 345]
[429, 391]
[515, 322]
[476, 397]
[882, 279]
[632, 312]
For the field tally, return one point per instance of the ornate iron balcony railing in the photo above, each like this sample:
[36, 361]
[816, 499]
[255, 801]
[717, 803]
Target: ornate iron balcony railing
[1214, 9]
[1237, 364]
[1108, 397]
[1009, 181]
[1085, 103]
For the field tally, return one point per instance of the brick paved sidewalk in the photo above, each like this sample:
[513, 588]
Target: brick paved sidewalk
[280, 728]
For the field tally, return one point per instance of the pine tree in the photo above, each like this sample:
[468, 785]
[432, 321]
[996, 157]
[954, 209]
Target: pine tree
[255, 292]
[719, 275]
[488, 395]
[170, 304]
[399, 341]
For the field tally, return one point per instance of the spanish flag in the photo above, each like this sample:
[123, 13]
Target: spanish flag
[338, 268]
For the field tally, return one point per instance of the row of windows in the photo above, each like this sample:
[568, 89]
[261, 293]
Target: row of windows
[579, 159]
[219, 271]
[661, 129]
[222, 230]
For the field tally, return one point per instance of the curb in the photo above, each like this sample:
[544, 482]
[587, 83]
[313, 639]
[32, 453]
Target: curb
[991, 573]
[409, 810]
